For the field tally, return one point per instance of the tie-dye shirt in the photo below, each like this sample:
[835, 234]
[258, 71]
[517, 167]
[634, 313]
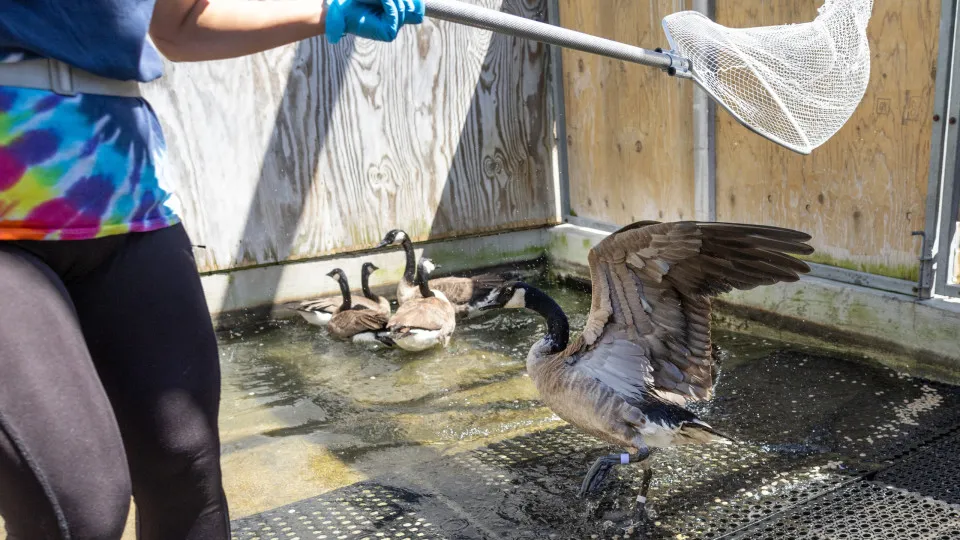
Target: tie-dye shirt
[79, 167]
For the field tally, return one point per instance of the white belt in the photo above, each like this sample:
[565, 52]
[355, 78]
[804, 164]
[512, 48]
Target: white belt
[49, 74]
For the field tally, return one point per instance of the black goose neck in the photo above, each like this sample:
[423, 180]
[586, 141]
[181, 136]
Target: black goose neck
[558, 328]
[411, 266]
[423, 277]
[345, 291]
[365, 286]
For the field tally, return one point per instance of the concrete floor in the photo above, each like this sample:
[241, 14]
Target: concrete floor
[323, 439]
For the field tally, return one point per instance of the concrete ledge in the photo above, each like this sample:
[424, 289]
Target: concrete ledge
[252, 293]
[919, 337]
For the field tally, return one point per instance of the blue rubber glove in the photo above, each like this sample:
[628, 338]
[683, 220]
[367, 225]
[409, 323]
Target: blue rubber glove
[372, 19]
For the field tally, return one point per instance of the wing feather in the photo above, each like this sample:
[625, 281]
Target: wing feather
[462, 290]
[348, 323]
[651, 302]
[425, 313]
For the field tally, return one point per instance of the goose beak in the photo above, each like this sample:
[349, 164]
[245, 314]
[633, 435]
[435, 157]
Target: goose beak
[494, 300]
[383, 243]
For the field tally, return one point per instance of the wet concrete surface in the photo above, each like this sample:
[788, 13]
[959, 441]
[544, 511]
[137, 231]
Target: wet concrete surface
[329, 440]
[324, 439]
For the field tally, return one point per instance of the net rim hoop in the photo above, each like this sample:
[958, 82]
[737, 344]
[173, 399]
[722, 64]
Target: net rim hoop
[753, 69]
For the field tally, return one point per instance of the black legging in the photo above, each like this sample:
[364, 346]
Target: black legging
[109, 386]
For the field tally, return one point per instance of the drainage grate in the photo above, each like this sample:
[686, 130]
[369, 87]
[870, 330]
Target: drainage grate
[360, 512]
[864, 510]
[933, 472]
[826, 450]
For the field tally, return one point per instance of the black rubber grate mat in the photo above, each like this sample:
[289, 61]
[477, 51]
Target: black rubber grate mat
[863, 510]
[825, 450]
[362, 511]
[933, 472]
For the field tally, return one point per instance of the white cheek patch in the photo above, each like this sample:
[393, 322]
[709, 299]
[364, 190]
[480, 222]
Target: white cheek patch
[490, 299]
[429, 266]
[517, 300]
[399, 237]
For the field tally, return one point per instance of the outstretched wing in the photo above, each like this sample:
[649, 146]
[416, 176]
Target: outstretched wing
[652, 286]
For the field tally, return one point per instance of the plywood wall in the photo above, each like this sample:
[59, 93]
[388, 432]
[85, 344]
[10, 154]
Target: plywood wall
[315, 149]
[862, 193]
[629, 127]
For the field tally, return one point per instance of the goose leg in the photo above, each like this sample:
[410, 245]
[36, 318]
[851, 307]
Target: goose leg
[644, 487]
[603, 465]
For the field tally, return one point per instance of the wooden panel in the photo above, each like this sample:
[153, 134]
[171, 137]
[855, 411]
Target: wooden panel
[315, 149]
[629, 127]
[862, 193]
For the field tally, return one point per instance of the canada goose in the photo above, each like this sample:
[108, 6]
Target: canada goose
[318, 311]
[424, 321]
[373, 301]
[465, 293]
[355, 322]
[645, 349]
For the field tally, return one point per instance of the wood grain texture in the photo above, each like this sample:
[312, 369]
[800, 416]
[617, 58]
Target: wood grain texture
[862, 193]
[629, 127]
[317, 149]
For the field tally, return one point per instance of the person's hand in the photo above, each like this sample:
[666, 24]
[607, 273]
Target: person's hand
[372, 19]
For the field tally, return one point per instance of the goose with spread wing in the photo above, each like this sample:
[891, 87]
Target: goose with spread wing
[467, 294]
[645, 349]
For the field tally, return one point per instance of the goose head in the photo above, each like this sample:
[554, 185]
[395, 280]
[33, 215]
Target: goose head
[520, 295]
[368, 268]
[512, 294]
[394, 236]
[424, 268]
[341, 278]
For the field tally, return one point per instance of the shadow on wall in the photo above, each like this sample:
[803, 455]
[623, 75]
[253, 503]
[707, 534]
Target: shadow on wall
[444, 133]
[288, 152]
[499, 177]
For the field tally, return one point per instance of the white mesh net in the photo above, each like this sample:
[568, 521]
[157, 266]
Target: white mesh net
[795, 84]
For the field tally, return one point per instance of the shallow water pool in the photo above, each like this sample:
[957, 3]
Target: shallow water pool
[336, 440]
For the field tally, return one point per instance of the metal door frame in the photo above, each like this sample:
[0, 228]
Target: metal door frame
[942, 186]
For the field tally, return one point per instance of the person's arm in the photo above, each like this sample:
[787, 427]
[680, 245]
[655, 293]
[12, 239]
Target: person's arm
[198, 30]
